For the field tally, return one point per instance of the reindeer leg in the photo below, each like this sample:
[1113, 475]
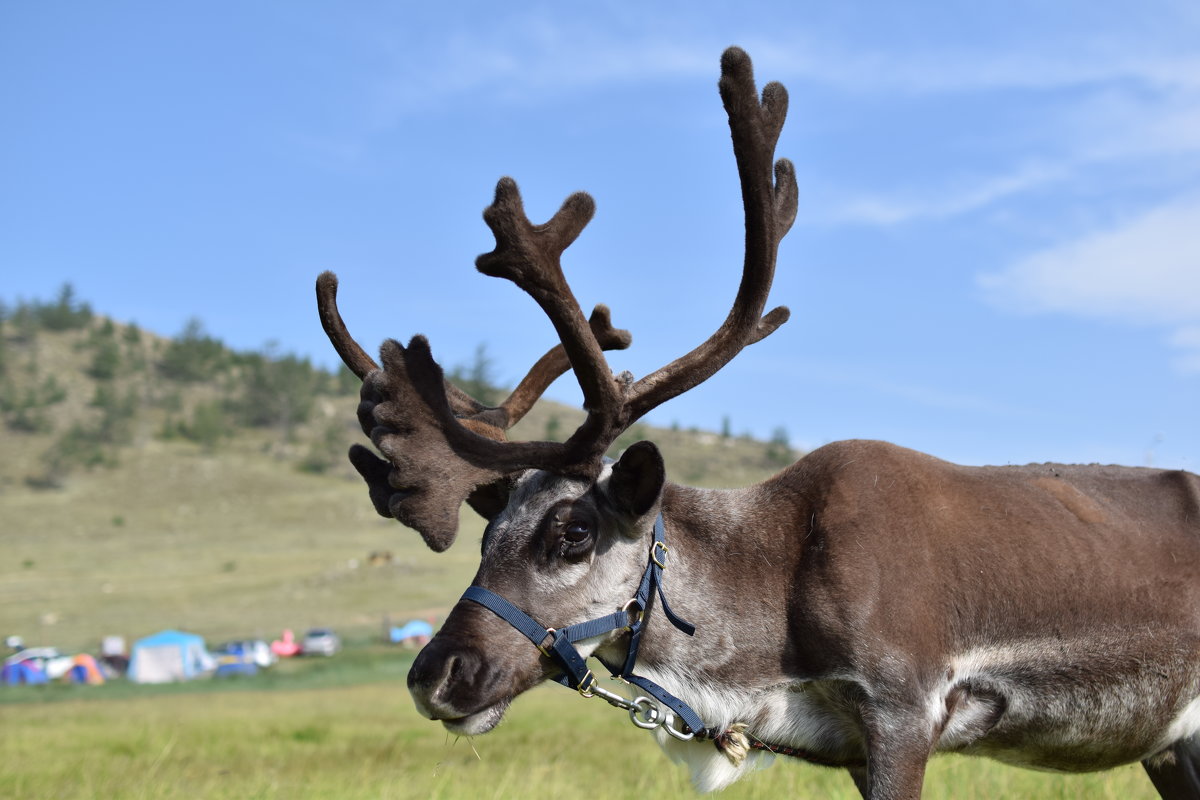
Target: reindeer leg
[897, 751]
[1175, 772]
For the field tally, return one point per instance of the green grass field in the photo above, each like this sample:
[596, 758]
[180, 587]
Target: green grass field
[324, 740]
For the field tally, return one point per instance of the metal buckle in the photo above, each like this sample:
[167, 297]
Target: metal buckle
[587, 684]
[654, 554]
[640, 612]
[549, 632]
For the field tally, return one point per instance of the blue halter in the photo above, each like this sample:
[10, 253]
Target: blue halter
[561, 647]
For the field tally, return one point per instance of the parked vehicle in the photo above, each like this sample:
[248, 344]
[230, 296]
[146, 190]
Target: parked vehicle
[321, 642]
[48, 660]
[255, 651]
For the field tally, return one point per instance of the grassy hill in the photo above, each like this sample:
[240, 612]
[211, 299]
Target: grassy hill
[148, 482]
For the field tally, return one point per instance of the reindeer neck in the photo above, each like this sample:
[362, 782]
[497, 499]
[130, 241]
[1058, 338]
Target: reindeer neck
[730, 575]
[736, 534]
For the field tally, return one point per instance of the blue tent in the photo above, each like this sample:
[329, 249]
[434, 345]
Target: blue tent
[22, 672]
[169, 656]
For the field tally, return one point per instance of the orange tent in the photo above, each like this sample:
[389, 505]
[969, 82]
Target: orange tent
[84, 670]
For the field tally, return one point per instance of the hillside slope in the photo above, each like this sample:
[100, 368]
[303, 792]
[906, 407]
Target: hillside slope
[136, 494]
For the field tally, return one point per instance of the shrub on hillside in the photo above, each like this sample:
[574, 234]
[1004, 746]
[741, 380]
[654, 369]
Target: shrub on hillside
[193, 356]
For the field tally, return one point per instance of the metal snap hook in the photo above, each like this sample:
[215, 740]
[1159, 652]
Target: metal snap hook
[669, 726]
[612, 698]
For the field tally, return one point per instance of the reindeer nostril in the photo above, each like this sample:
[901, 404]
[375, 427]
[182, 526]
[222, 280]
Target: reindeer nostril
[453, 670]
[437, 673]
[450, 679]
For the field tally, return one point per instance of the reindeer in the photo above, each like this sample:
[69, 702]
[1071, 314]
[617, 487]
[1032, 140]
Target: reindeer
[864, 608]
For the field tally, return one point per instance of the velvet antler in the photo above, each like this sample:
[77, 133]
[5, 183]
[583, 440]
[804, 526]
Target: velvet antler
[529, 256]
[442, 446]
[406, 411]
[770, 210]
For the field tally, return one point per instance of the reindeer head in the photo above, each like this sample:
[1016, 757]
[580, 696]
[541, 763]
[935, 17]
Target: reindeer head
[568, 532]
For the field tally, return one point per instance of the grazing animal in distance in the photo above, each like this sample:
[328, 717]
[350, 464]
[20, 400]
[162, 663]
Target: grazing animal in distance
[864, 608]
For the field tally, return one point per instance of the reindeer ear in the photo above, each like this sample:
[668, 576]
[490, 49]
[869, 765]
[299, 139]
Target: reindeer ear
[490, 499]
[637, 479]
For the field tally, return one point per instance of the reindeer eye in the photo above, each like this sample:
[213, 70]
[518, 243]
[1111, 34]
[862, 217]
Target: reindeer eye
[570, 531]
[576, 531]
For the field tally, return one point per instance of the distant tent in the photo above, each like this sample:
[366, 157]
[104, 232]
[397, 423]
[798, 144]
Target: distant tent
[417, 632]
[84, 670]
[22, 672]
[169, 656]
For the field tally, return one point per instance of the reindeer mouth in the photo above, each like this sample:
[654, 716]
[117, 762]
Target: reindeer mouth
[479, 723]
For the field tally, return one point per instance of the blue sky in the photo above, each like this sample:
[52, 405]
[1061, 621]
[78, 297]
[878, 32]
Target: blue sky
[997, 257]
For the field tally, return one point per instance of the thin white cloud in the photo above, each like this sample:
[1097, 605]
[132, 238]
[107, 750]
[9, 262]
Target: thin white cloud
[946, 204]
[946, 70]
[532, 54]
[527, 59]
[940, 399]
[1155, 137]
[867, 379]
[1114, 124]
[1145, 271]
[576, 53]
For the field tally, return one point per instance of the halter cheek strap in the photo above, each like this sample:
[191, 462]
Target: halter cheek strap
[575, 672]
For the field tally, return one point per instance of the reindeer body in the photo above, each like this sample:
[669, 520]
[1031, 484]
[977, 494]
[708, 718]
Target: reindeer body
[1047, 616]
[868, 606]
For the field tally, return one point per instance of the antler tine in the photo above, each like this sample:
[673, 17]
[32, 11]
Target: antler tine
[492, 422]
[770, 210]
[424, 481]
[528, 255]
[349, 350]
[353, 355]
[555, 363]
